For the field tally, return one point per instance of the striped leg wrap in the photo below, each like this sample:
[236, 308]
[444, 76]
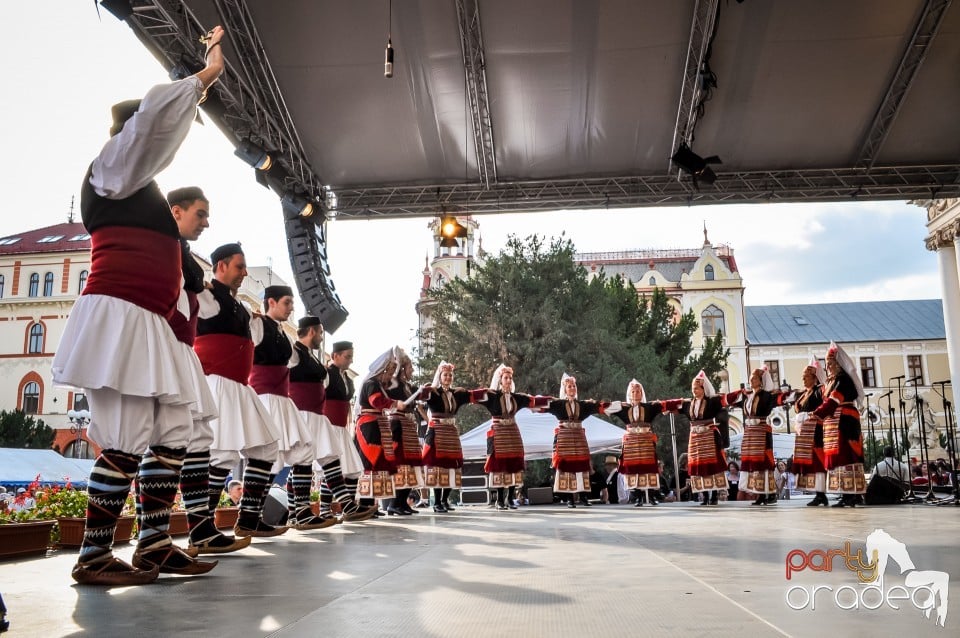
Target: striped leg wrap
[158, 479]
[298, 492]
[339, 488]
[256, 479]
[326, 498]
[218, 476]
[195, 489]
[107, 490]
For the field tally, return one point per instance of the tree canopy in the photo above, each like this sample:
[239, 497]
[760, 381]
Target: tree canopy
[18, 430]
[535, 309]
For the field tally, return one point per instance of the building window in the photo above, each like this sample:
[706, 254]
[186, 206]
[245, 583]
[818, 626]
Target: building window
[2, 281]
[83, 281]
[653, 281]
[31, 398]
[867, 373]
[80, 401]
[48, 284]
[711, 321]
[35, 344]
[708, 272]
[915, 368]
[773, 367]
[34, 285]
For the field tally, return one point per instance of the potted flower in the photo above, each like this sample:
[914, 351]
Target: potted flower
[24, 530]
[225, 516]
[69, 507]
[178, 519]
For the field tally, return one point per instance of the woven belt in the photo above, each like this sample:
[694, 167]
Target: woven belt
[753, 421]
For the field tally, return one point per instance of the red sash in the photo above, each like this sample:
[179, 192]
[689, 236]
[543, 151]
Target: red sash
[229, 356]
[308, 396]
[337, 410]
[270, 380]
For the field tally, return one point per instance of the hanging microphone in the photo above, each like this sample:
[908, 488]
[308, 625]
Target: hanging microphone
[388, 60]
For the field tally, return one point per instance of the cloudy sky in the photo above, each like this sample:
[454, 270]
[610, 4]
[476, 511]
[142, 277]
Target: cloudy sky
[63, 67]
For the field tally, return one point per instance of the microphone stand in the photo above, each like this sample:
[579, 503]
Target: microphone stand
[924, 450]
[911, 495]
[950, 426]
[873, 435]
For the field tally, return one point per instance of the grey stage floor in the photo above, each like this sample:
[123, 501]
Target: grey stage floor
[677, 569]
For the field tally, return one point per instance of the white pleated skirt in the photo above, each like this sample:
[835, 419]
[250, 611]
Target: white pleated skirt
[324, 444]
[286, 416]
[243, 422]
[340, 445]
[112, 343]
[205, 407]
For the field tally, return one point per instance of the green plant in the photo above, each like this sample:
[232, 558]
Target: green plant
[225, 501]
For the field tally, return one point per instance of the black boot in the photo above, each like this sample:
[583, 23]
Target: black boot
[761, 500]
[438, 501]
[446, 499]
[501, 498]
[714, 497]
[706, 499]
[511, 495]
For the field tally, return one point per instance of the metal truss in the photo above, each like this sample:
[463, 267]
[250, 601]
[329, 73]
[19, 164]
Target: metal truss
[811, 185]
[931, 17]
[474, 68]
[704, 17]
[246, 101]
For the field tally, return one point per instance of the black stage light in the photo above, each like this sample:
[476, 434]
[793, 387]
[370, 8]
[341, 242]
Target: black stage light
[698, 167]
[253, 155]
[296, 206]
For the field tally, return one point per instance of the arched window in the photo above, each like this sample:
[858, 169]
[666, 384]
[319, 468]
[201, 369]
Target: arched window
[34, 285]
[48, 284]
[2, 281]
[708, 272]
[31, 398]
[653, 281]
[35, 344]
[711, 321]
[83, 281]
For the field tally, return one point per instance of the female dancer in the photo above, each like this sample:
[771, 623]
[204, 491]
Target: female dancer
[638, 462]
[505, 460]
[842, 436]
[707, 462]
[571, 453]
[373, 438]
[808, 454]
[442, 454]
[406, 446]
[757, 450]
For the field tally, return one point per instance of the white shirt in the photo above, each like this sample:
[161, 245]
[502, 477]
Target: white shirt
[892, 468]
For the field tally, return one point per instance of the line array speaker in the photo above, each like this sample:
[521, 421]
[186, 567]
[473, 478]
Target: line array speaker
[308, 259]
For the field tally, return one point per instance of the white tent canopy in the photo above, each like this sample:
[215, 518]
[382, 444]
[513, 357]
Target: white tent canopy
[20, 467]
[537, 431]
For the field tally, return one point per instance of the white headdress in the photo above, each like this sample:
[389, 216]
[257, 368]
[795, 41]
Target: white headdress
[495, 379]
[818, 371]
[563, 381]
[376, 369]
[399, 357]
[643, 393]
[848, 366]
[708, 390]
[766, 379]
[440, 368]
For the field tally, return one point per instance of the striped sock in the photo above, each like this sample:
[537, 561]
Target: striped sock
[302, 477]
[338, 486]
[107, 491]
[326, 498]
[158, 478]
[218, 477]
[256, 479]
[195, 488]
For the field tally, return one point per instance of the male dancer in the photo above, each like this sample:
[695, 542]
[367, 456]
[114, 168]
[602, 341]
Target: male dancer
[190, 209]
[140, 404]
[244, 427]
[270, 378]
[341, 474]
[308, 379]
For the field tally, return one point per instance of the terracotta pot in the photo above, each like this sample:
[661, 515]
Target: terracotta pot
[24, 539]
[178, 524]
[315, 508]
[71, 530]
[225, 517]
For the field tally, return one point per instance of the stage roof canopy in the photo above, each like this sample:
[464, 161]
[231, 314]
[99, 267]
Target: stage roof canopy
[520, 105]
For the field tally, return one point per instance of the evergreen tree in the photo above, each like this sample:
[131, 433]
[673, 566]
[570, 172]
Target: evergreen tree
[18, 430]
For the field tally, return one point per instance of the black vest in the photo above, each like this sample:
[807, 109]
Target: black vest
[337, 389]
[308, 370]
[147, 208]
[274, 349]
[233, 318]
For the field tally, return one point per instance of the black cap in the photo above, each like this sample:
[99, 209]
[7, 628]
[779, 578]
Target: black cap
[307, 322]
[340, 346]
[277, 292]
[224, 252]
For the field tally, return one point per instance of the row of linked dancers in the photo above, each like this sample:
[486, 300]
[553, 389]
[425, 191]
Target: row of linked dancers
[182, 380]
[828, 456]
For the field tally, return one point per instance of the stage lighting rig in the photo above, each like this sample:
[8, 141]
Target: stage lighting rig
[297, 206]
[698, 167]
[450, 231]
[254, 155]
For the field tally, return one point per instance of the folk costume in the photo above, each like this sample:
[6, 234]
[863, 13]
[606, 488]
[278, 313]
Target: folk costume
[308, 379]
[638, 465]
[756, 452]
[442, 454]
[374, 438]
[140, 405]
[341, 472]
[404, 425]
[195, 475]
[244, 427]
[571, 452]
[505, 456]
[808, 453]
[709, 436]
[842, 435]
